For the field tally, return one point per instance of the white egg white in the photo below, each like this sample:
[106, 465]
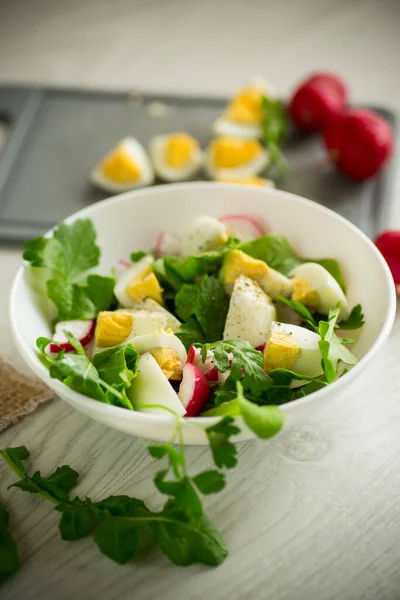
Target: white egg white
[151, 306]
[250, 313]
[157, 149]
[126, 276]
[139, 155]
[309, 360]
[204, 234]
[150, 386]
[329, 291]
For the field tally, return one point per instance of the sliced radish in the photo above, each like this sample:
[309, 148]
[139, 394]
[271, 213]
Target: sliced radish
[82, 330]
[243, 227]
[207, 368]
[194, 390]
[167, 245]
[261, 347]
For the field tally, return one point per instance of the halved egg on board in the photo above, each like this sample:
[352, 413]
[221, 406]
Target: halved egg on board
[176, 156]
[126, 167]
[231, 158]
[243, 116]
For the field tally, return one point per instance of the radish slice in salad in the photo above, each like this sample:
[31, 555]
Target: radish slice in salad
[207, 368]
[194, 390]
[167, 245]
[243, 227]
[82, 330]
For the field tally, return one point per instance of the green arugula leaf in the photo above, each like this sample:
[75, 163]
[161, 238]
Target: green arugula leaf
[57, 485]
[354, 321]
[223, 450]
[176, 458]
[117, 539]
[332, 350]
[247, 364]
[14, 458]
[275, 125]
[302, 311]
[205, 306]
[264, 421]
[117, 366]
[69, 254]
[190, 333]
[78, 520]
[9, 559]
[77, 372]
[136, 256]
[228, 405]
[183, 492]
[186, 542]
[210, 482]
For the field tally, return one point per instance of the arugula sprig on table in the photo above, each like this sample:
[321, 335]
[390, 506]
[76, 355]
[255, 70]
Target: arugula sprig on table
[68, 255]
[120, 525]
[9, 558]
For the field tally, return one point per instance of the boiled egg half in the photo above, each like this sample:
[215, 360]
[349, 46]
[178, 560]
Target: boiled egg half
[329, 292]
[126, 167]
[231, 158]
[176, 156]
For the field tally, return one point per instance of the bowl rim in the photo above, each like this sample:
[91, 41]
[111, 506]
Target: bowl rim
[150, 418]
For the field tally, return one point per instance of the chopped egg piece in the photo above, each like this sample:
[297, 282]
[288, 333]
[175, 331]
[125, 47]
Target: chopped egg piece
[243, 116]
[126, 167]
[329, 291]
[250, 312]
[169, 362]
[151, 306]
[144, 285]
[126, 276]
[159, 339]
[304, 293]
[237, 262]
[112, 328]
[204, 234]
[229, 157]
[176, 156]
[293, 347]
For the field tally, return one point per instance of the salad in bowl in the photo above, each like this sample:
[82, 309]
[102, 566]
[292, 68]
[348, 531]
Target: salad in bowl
[224, 320]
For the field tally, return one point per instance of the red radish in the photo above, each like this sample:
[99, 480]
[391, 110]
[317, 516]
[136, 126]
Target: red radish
[122, 265]
[316, 100]
[82, 330]
[388, 243]
[243, 227]
[261, 347]
[167, 245]
[194, 390]
[359, 142]
[331, 79]
[207, 368]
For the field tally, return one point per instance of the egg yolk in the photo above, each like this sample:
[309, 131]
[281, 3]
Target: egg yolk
[259, 181]
[112, 328]
[246, 107]
[281, 352]
[231, 152]
[179, 150]
[303, 292]
[144, 285]
[169, 362]
[120, 167]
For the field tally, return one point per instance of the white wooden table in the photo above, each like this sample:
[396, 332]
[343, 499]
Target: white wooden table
[314, 514]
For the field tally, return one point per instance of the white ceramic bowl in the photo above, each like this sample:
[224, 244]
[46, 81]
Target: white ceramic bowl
[132, 221]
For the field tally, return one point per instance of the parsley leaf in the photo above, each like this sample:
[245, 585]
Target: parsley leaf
[69, 254]
[354, 321]
[9, 559]
[210, 482]
[136, 256]
[332, 349]
[302, 311]
[223, 450]
[205, 306]
[275, 125]
[246, 364]
[264, 421]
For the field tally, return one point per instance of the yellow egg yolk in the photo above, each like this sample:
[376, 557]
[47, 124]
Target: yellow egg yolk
[169, 362]
[303, 292]
[259, 181]
[144, 285]
[120, 167]
[246, 107]
[112, 328]
[236, 263]
[179, 150]
[231, 152]
[281, 352]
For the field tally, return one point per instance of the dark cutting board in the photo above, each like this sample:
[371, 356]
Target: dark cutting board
[56, 136]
